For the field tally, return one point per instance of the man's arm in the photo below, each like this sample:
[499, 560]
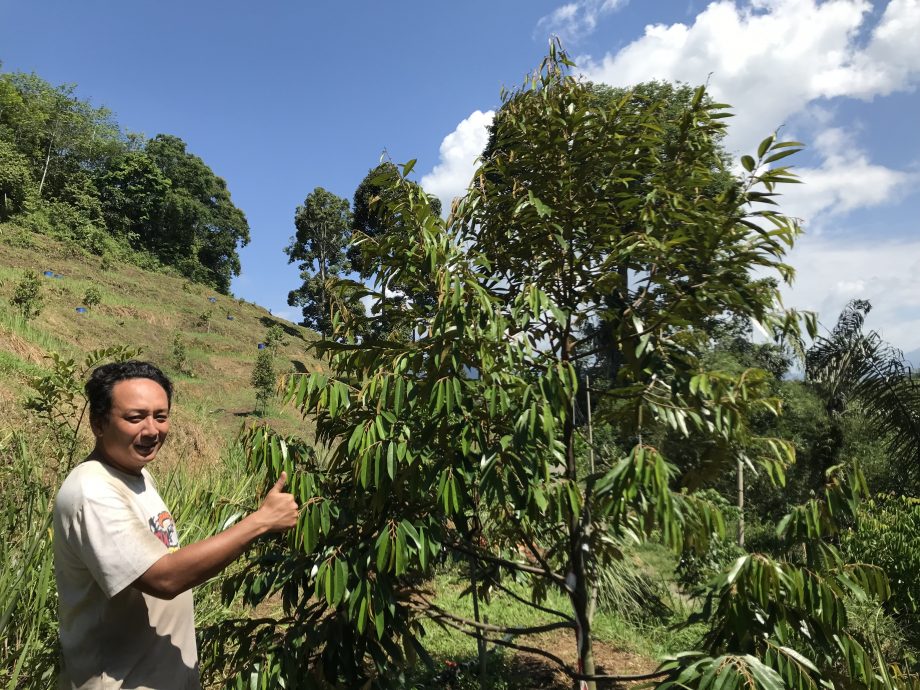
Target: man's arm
[191, 565]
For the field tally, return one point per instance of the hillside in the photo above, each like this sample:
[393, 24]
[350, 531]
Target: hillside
[147, 310]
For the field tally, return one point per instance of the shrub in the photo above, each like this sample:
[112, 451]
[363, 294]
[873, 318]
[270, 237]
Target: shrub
[694, 569]
[27, 297]
[886, 536]
[204, 321]
[92, 297]
[180, 356]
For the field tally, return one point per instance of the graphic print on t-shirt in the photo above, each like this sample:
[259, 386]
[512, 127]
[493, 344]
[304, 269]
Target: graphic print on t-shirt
[164, 528]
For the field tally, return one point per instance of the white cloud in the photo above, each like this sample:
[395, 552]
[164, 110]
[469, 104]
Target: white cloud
[844, 181]
[831, 272]
[771, 58]
[577, 19]
[459, 151]
[890, 61]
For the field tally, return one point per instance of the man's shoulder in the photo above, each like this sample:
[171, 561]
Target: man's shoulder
[89, 480]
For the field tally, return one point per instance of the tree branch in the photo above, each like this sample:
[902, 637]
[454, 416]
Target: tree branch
[564, 667]
[521, 599]
[511, 565]
[507, 643]
[528, 542]
[441, 614]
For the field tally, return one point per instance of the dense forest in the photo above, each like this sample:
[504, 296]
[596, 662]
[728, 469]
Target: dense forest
[69, 170]
[567, 415]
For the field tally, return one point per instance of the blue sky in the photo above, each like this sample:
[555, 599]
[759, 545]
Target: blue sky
[281, 97]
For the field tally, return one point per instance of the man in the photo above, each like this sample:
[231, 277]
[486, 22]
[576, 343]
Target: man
[124, 584]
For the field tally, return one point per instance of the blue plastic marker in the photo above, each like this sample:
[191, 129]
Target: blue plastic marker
[81, 310]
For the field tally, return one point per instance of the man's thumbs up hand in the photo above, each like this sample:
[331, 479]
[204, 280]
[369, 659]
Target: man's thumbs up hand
[279, 510]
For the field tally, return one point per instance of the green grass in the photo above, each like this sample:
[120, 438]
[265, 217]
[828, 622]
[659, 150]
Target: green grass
[146, 310]
[32, 333]
[11, 365]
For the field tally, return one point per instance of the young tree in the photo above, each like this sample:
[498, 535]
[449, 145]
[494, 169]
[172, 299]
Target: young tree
[263, 379]
[27, 297]
[180, 355]
[323, 225]
[463, 441]
[274, 338]
[92, 297]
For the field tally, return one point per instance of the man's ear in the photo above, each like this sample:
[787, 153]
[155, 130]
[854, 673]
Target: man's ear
[96, 426]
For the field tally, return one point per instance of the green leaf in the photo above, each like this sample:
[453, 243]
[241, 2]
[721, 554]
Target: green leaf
[779, 156]
[402, 554]
[383, 550]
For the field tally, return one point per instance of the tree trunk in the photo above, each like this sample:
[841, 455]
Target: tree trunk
[41, 184]
[322, 277]
[480, 642]
[580, 592]
[740, 504]
[592, 599]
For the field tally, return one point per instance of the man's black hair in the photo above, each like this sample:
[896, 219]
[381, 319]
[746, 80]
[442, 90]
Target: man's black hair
[100, 383]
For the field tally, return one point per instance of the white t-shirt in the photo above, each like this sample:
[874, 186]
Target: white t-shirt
[109, 528]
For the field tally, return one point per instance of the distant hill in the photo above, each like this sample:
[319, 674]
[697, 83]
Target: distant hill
[147, 310]
[913, 358]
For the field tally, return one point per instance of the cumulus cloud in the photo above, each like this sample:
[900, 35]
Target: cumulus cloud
[771, 58]
[577, 19]
[844, 181]
[890, 61]
[832, 272]
[458, 153]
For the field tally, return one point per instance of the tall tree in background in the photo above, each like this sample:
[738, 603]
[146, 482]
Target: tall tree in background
[376, 219]
[58, 133]
[856, 372]
[323, 225]
[15, 181]
[88, 177]
[133, 191]
[198, 228]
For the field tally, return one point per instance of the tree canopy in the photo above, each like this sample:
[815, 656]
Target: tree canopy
[323, 225]
[68, 169]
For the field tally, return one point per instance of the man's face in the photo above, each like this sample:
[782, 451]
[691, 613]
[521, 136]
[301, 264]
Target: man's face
[136, 426]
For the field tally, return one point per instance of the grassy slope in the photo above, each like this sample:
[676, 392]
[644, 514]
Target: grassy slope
[146, 310]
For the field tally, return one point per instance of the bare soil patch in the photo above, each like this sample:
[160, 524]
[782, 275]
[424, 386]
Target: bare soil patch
[535, 671]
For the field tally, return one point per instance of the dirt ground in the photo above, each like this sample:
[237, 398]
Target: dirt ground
[531, 671]
[607, 658]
